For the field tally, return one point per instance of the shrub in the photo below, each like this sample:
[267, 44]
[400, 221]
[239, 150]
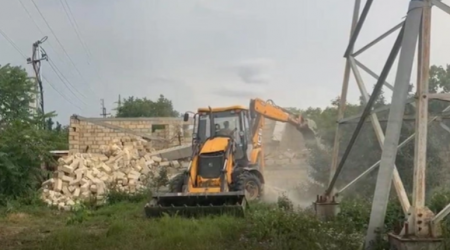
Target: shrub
[277, 228]
[115, 196]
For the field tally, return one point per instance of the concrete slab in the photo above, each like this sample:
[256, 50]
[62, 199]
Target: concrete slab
[278, 131]
[174, 153]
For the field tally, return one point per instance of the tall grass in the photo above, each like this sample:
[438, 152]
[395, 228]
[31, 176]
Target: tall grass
[122, 225]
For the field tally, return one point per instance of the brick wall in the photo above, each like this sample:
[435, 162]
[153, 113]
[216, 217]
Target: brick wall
[89, 132]
[86, 132]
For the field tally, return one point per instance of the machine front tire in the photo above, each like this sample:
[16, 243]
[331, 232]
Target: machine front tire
[250, 184]
[176, 185]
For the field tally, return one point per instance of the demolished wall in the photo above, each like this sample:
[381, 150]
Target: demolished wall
[286, 157]
[124, 165]
[90, 133]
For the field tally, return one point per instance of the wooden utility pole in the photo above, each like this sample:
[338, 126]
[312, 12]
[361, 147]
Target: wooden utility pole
[38, 55]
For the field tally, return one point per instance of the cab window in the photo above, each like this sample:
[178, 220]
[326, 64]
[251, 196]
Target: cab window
[246, 128]
[225, 120]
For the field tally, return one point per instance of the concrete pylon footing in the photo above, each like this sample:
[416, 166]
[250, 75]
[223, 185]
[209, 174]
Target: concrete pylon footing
[399, 243]
[326, 210]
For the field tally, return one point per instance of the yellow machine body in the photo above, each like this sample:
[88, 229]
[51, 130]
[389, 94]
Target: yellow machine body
[226, 159]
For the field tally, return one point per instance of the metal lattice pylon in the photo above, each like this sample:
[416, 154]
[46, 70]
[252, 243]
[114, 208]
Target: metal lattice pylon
[415, 29]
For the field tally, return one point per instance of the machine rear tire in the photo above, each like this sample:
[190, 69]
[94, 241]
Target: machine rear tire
[251, 184]
[176, 185]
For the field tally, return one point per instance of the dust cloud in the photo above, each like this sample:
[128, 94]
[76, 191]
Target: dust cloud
[286, 170]
[298, 191]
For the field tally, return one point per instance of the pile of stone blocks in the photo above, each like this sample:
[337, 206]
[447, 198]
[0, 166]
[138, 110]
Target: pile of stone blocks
[125, 165]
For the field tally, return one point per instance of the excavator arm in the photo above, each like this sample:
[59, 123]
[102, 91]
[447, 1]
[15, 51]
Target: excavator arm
[260, 109]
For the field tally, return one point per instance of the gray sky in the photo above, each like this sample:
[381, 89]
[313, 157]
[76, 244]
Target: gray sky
[202, 52]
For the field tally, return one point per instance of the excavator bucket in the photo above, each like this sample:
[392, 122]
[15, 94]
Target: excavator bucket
[196, 204]
[309, 131]
[308, 135]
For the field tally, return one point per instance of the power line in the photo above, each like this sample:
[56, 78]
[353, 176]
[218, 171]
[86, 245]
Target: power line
[88, 51]
[12, 43]
[24, 57]
[31, 17]
[54, 67]
[50, 61]
[51, 30]
[76, 25]
[40, 30]
[51, 45]
[60, 44]
[63, 80]
[75, 28]
[58, 72]
[59, 93]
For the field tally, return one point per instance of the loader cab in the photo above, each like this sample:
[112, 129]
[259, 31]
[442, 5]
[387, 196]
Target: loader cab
[232, 121]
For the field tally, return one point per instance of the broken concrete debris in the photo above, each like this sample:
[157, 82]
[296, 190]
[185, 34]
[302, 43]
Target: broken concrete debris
[124, 165]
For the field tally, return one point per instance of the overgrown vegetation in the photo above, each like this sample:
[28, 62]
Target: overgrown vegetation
[121, 225]
[24, 145]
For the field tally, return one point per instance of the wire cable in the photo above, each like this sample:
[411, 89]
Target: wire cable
[31, 17]
[76, 24]
[11, 42]
[75, 28]
[63, 80]
[88, 51]
[51, 45]
[40, 30]
[60, 94]
[60, 44]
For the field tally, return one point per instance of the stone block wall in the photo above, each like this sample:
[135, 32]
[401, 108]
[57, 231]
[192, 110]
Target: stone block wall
[86, 132]
[90, 132]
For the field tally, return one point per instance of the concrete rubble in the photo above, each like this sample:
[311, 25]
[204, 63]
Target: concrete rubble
[125, 165]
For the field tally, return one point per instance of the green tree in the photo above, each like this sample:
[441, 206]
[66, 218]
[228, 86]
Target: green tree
[59, 135]
[143, 107]
[15, 106]
[365, 149]
[23, 144]
[49, 124]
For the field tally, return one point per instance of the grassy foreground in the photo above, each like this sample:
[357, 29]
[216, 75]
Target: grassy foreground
[122, 225]
[28, 224]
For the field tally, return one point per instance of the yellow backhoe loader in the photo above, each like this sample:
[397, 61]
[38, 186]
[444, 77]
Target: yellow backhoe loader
[227, 164]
